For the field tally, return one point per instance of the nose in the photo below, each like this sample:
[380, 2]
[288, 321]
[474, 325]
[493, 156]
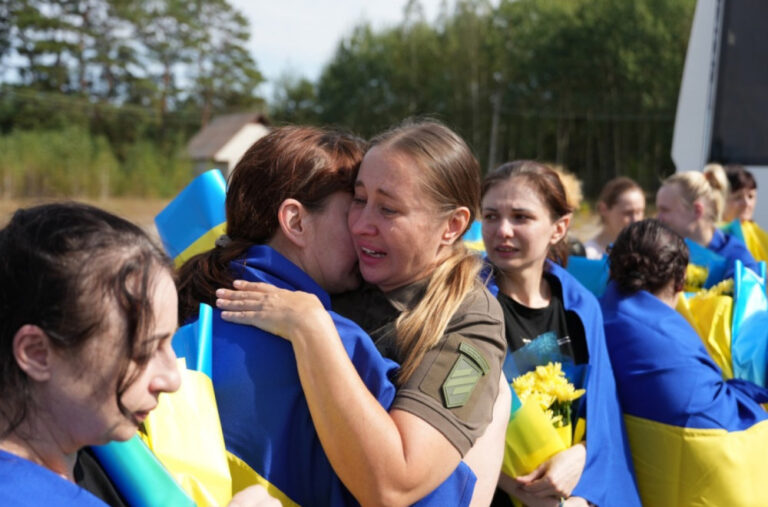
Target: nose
[359, 221]
[166, 378]
[506, 229]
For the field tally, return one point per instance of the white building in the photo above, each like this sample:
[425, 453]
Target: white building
[222, 143]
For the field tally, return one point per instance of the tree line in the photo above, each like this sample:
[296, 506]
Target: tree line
[127, 81]
[587, 84]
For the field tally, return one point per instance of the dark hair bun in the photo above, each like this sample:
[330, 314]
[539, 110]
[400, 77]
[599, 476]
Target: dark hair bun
[647, 255]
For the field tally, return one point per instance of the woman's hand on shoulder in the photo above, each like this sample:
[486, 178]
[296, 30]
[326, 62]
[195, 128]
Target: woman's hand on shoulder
[278, 311]
[557, 476]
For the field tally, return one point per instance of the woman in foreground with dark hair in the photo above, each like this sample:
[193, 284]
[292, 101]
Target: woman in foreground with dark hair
[695, 438]
[87, 312]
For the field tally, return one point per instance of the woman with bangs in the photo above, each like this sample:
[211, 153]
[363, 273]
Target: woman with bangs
[525, 217]
[423, 305]
[742, 197]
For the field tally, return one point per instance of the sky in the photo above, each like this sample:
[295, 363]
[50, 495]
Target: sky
[300, 36]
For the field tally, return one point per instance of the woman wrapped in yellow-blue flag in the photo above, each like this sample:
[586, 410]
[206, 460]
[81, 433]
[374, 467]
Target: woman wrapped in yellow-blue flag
[696, 439]
[526, 216]
[286, 210]
[691, 203]
[740, 210]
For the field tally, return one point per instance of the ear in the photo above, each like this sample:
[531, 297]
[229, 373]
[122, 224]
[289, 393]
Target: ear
[561, 228]
[458, 221]
[698, 208]
[292, 216]
[601, 208]
[33, 353]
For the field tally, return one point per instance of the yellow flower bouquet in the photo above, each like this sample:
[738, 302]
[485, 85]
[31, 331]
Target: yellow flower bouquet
[695, 278]
[540, 423]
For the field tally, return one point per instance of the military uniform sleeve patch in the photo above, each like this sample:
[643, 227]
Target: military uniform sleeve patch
[464, 375]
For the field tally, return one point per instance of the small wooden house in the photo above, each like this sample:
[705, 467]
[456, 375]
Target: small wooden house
[222, 143]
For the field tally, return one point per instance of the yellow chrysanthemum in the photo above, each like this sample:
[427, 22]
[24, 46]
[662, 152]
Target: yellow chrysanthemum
[695, 277]
[548, 387]
[724, 288]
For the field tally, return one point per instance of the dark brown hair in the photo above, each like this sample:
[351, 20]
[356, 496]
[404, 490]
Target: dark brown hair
[308, 164]
[740, 178]
[62, 268]
[547, 184]
[646, 256]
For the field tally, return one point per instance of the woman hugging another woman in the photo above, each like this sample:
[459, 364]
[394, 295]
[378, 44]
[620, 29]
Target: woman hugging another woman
[313, 374]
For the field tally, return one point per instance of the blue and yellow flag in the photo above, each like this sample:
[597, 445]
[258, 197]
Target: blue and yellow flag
[266, 420]
[717, 265]
[607, 478]
[190, 224]
[696, 439]
[751, 235]
[749, 345]
[473, 238]
[139, 476]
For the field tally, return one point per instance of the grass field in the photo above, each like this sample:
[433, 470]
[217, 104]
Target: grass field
[139, 211]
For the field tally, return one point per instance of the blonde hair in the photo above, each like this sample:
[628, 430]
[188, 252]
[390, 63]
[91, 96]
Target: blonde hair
[450, 178]
[710, 186]
[572, 185]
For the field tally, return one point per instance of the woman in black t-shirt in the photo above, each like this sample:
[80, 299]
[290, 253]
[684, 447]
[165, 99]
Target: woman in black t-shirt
[525, 220]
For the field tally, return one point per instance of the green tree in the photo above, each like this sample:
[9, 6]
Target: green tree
[294, 101]
[224, 74]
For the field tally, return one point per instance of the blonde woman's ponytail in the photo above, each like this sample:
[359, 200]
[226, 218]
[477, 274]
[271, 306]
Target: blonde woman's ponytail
[421, 328]
[710, 186]
[717, 179]
[449, 178]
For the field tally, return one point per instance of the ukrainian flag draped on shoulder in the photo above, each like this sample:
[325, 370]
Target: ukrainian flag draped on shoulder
[264, 414]
[755, 238]
[732, 249]
[607, 477]
[696, 439]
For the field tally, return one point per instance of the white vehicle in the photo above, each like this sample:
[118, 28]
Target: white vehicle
[722, 110]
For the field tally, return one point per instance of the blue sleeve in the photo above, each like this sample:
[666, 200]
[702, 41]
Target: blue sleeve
[375, 370]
